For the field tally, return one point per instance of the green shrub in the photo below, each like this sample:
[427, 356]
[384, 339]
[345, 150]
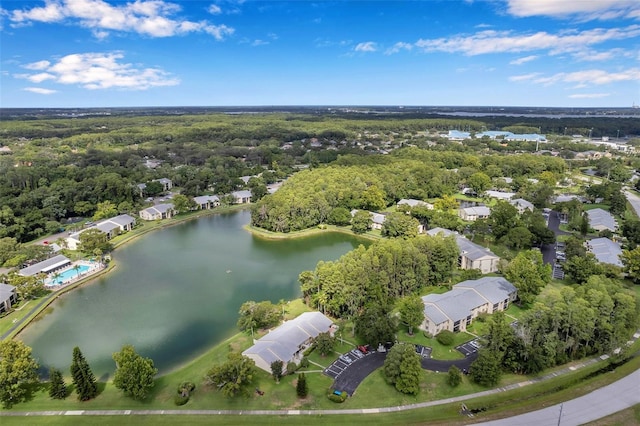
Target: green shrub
[292, 367]
[186, 386]
[308, 351]
[337, 398]
[184, 393]
[181, 400]
[304, 363]
[445, 337]
[427, 334]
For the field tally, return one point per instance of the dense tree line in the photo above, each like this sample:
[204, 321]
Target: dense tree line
[563, 325]
[372, 183]
[378, 275]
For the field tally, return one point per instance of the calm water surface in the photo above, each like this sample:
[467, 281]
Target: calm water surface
[176, 292]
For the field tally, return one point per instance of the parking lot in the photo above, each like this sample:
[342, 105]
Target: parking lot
[344, 361]
[469, 348]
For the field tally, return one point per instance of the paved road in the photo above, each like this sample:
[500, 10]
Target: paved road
[634, 200]
[549, 250]
[598, 404]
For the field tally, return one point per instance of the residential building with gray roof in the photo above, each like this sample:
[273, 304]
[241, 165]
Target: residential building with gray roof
[456, 309]
[287, 342]
[605, 250]
[601, 220]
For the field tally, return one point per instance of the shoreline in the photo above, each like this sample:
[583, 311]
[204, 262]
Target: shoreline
[270, 235]
[15, 331]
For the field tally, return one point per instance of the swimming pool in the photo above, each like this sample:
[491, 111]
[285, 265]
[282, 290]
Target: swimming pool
[68, 275]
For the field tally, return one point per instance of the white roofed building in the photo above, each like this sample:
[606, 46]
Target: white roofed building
[52, 264]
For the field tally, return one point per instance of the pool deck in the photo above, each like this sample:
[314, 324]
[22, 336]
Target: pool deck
[94, 267]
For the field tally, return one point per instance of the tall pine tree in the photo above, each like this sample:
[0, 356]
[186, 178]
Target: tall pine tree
[83, 377]
[302, 388]
[57, 387]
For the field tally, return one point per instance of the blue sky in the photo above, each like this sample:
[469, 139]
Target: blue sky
[94, 53]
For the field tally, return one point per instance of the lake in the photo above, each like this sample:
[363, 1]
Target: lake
[176, 292]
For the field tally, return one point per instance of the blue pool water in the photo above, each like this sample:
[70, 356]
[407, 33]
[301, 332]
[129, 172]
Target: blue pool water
[68, 275]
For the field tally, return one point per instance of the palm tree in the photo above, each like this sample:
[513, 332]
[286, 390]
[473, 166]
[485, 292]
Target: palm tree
[76, 268]
[56, 276]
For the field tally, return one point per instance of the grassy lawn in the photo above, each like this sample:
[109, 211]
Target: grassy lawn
[438, 351]
[595, 206]
[263, 233]
[20, 312]
[503, 404]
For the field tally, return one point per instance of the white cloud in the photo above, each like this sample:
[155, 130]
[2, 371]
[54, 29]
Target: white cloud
[154, 18]
[40, 90]
[606, 55]
[524, 77]
[524, 60]
[214, 9]
[259, 42]
[584, 78]
[368, 46]
[489, 41]
[398, 47]
[102, 71]
[585, 9]
[40, 65]
[589, 95]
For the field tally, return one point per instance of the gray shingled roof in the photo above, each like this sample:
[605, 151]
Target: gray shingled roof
[6, 291]
[601, 218]
[441, 231]
[159, 208]
[477, 211]
[121, 220]
[605, 250]
[471, 250]
[285, 340]
[44, 266]
[411, 202]
[202, 199]
[522, 203]
[107, 226]
[456, 304]
[495, 289]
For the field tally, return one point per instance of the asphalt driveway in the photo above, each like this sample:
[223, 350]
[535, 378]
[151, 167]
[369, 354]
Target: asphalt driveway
[357, 371]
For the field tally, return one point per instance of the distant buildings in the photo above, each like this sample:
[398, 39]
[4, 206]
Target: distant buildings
[410, 202]
[471, 214]
[158, 212]
[111, 227]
